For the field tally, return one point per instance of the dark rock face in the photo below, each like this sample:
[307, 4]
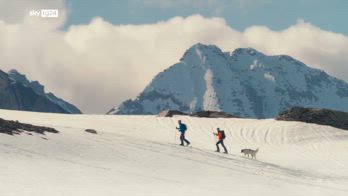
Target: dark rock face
[15, 127]
[205, 114]
[63, 104]
[17, 93]
[91, 131]
[213, 114]
[170, 113]
[332, 118]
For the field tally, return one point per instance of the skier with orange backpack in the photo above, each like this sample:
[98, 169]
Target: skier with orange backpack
[221, 136]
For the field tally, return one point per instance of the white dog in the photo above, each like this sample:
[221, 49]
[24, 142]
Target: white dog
[250, 152]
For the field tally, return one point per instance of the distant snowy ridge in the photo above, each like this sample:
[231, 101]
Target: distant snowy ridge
[244, 82]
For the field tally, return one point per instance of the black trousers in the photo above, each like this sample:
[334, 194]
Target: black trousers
[222, 144]
[183, 139]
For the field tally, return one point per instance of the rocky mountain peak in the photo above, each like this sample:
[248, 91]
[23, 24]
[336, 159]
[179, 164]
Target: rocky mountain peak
[19, 93]
[244, 82]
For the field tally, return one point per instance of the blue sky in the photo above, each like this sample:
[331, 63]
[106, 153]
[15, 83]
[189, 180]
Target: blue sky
[330, 15]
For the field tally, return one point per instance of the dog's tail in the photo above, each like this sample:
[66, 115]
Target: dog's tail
[257, 150]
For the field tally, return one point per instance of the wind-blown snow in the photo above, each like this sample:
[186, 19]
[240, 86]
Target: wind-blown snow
[139, 155]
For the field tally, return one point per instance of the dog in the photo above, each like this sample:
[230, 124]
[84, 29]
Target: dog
[250, 152]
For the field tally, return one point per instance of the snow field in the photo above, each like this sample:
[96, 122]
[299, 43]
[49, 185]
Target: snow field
[139, 155]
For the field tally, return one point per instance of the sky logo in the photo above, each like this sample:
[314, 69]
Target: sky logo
[44, 13]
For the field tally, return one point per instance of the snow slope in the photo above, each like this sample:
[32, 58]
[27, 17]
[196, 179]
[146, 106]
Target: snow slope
[139, 155]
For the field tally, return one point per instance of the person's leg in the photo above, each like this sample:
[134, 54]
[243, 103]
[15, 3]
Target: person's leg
[223, 145]
[217, 146]
[182, 136]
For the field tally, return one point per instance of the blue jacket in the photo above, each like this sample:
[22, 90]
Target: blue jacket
[182, 127]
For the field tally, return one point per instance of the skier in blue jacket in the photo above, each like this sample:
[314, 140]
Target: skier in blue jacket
[182, 129]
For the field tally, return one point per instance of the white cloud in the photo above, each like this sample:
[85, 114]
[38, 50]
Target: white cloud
[316, 47]
[98, 65]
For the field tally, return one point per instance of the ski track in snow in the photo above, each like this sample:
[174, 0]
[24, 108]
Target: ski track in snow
[140, 155]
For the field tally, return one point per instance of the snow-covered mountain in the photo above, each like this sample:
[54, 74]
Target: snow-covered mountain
[21, 94]
[244, 82]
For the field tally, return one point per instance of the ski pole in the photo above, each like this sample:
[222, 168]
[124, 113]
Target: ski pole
[214, 138]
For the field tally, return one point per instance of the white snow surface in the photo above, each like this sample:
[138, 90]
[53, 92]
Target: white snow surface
[139, 155]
